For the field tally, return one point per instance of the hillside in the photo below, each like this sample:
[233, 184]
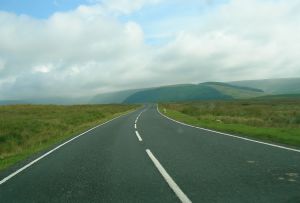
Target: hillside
[202, 91]
[273, 86]
[180, 92]
[282, 97]
[235, 91]
[113, 97]
[49, 100]
[176, 93]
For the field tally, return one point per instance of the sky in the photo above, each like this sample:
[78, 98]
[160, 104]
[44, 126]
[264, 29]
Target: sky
[74, 48]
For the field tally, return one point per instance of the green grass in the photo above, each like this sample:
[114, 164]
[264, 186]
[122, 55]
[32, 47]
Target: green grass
[275, 120]
[28, 129]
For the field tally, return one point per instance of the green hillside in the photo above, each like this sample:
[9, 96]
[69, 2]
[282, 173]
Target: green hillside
[235, 91]
[273, 86]
[177, 93]
[280, 97]
[182, 92]
[204, 91]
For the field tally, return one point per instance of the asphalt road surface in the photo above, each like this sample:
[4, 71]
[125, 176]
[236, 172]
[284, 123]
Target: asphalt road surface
[145, 157]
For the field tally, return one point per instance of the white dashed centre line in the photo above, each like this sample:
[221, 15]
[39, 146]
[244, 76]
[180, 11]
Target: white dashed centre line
[135, 127]
[183, 198]
[180, 194]
[138, 136]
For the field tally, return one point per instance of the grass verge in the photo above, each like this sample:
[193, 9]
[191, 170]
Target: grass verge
[28, 129]
[273, 121]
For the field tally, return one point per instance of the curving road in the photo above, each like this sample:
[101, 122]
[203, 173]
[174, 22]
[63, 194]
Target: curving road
[145, 157]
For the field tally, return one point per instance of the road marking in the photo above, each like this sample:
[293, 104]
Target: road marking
[135, 126]
[180, 194]
[234, 136]
[51, 151]
[138, 136]
[137, 118]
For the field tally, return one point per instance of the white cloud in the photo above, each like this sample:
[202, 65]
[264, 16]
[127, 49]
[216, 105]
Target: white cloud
[127, 6]
[75, 47]
[44, 68]
[88, 50]
[241, 40]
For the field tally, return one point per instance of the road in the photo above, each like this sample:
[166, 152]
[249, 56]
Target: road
[157, 160]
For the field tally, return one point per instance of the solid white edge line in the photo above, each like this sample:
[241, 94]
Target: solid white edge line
[138, 136]
[230, 135]
[179, 193]
[56, 148]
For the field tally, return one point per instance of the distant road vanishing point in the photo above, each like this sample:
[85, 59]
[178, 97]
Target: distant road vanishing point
[146, 157]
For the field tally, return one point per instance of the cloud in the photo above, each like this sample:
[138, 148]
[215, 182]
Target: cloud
[68, 49]
[240, 40]
[119, 7]
[89, 50]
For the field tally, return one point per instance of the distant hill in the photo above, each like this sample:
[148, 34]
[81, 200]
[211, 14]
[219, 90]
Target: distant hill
[233, 86]
[180, 92]
[184, 92]
[236, 92]
[273, 86]
[279, 97]
[176, 93]
[190, 92]
[11, 102]
[113, 97]
[50, 100]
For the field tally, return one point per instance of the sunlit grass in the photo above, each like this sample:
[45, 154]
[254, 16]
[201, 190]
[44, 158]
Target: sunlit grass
[274, 120]
[27, 129]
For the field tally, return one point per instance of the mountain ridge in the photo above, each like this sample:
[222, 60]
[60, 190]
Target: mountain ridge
[244, 89]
